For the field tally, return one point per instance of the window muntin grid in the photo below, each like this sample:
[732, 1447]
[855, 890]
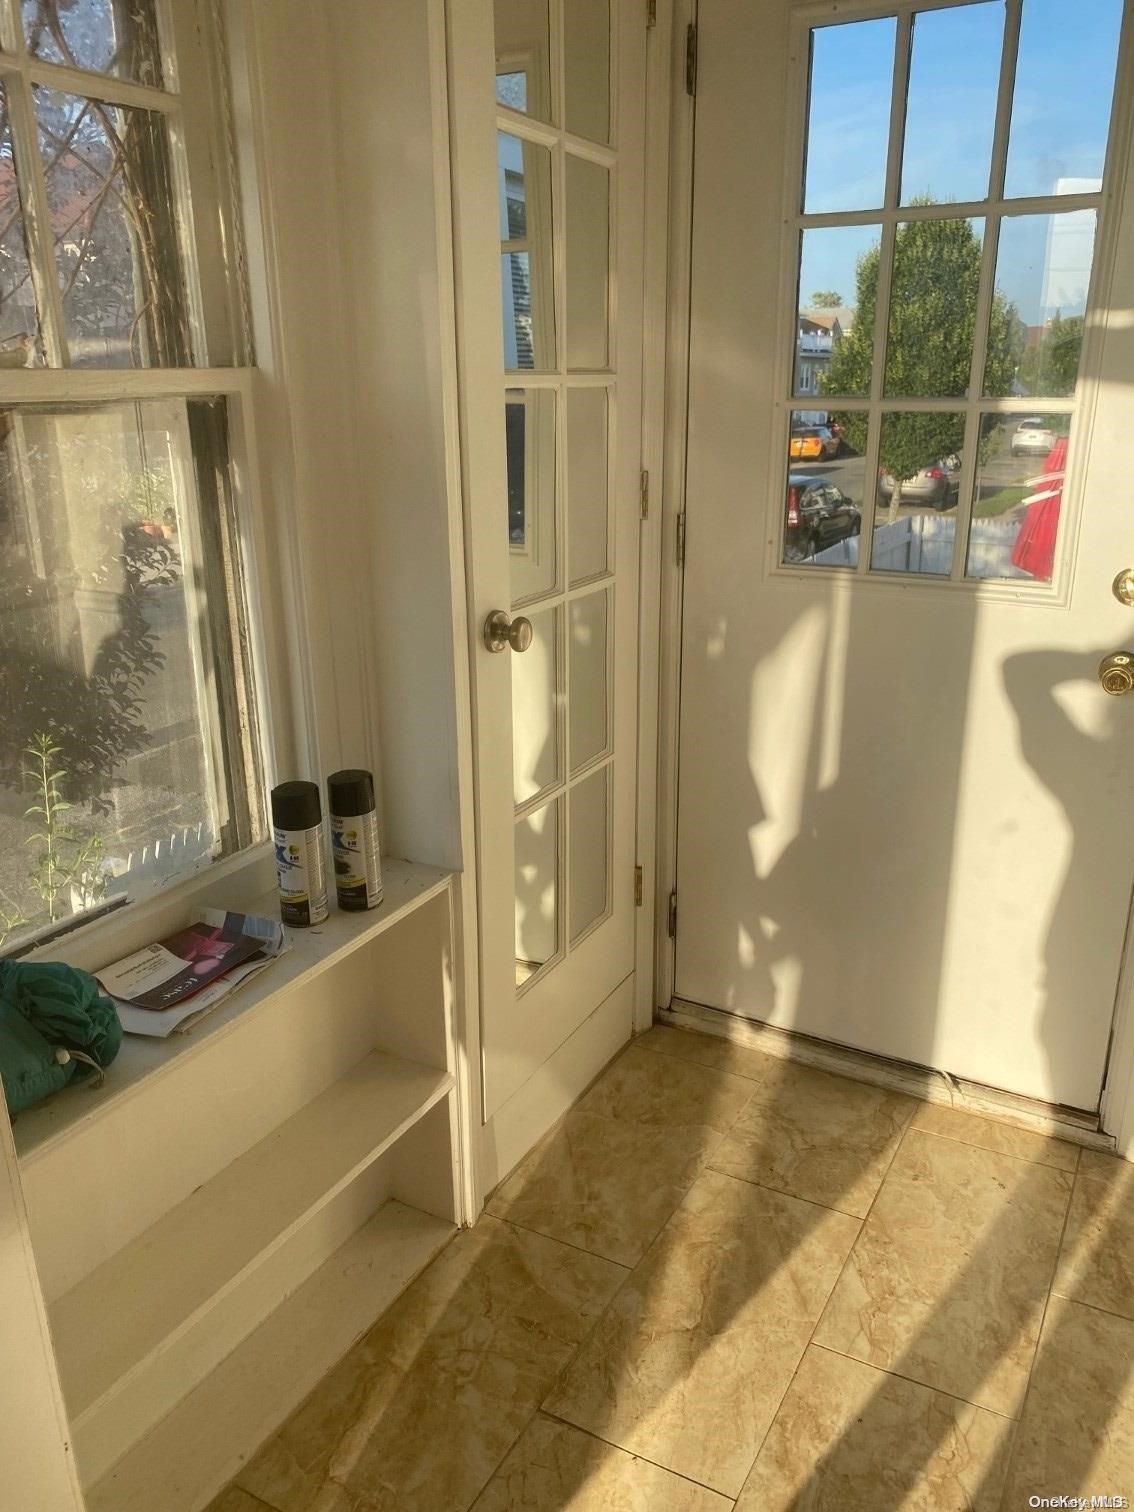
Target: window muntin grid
[996, 217]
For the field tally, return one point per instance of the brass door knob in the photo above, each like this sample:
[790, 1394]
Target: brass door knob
[1123, 587]
[500, 632]
[1116, 673]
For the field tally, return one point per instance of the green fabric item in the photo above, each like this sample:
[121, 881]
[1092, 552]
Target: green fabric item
[46, 1006]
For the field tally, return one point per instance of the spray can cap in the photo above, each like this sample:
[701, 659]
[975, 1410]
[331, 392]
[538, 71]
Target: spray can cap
[350, 792]
[296, 806]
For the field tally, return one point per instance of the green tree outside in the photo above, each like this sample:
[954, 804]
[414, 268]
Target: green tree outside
[1052, 367]
[929, 350]
[826, 299]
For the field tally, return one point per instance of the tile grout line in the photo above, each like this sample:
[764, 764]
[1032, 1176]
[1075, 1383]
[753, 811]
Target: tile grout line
[912, 1381]
[1107, 1312]
[780, 1192]
[690, 1480]
[630, 1271]
[689, 1060]
[579, 1249]
[1010, 1454]
[842, 1268]
[970, 1144]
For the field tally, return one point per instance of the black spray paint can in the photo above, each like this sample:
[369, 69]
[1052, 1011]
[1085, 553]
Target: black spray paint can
[297, 832]
[354, 839]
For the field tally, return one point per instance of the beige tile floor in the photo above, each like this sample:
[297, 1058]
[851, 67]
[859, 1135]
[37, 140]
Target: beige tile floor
[728, 1281]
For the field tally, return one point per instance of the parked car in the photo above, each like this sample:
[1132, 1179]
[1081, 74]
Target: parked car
[818, 515]
[1032, 438]
[938, 484]
[813, 443]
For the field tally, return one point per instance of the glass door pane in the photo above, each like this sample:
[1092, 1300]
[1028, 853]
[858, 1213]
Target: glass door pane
[559, 421]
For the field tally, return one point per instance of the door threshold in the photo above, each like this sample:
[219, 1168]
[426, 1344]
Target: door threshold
[931, 1085]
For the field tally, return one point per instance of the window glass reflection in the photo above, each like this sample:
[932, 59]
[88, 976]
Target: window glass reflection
[529, 430]
[838, 275]
[1062, 97]
[537, 890]
[1043, 274]
[588, 848]
[587, 468]
[823, 499]
[848, 121]
[933, 299]
[525, 239]
[523, 57]
[1019, 496]
[918, 487]
[586, 65]
[589, 682]
[588, 263]
[951, 104]
[535, 709]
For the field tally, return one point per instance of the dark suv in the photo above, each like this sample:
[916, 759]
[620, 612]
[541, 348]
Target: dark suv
[818, 515]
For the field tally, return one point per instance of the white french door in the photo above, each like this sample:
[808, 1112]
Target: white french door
[547, 112]
[906, 804]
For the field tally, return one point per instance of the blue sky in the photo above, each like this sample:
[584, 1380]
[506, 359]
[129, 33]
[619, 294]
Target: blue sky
[1060, 115]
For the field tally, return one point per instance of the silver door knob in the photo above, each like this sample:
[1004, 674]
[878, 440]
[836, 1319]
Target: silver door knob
[500, 632]
[1116, 673]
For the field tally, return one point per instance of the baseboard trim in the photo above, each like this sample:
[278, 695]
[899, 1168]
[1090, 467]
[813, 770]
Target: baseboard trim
[925, 1082]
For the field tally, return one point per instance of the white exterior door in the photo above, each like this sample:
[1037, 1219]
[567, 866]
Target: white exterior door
[547, 112]
[906, 812]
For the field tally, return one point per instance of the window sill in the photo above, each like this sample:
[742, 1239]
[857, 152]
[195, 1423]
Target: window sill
[406, 886]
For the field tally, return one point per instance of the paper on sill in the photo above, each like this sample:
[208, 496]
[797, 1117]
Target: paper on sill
[147, 969]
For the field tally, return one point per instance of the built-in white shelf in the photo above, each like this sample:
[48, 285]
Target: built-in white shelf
[148, 1295]
[406, 886]
[220, 1220]
[197, 1448]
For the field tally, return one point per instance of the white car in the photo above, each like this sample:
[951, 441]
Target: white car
[1032, 438]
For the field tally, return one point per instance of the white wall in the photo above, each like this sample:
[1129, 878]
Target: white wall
[393, 187]
[345, 130]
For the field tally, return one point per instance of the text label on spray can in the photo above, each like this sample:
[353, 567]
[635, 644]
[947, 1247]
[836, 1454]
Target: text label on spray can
[297, 833]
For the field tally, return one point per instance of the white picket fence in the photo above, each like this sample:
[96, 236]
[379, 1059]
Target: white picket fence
[924, 543]
[152, 863]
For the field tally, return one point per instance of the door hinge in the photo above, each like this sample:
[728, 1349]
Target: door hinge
[651, 13]
[637, 887]
[673, 916]
[691, 60]
[644, 493]
[681, 539]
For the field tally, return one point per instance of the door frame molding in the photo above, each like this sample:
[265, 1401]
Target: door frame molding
[668, 117]
[681, 14]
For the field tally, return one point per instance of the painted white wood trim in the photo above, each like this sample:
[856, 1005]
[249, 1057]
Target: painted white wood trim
[203, 1443]
[1117, 1109]
[37, 1467]
[465, 924]
[659, 112]
[529, 1113]
[142, 1300]
[675, 435]
[90, 385]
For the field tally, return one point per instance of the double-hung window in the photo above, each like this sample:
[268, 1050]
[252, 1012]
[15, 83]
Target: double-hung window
[129, 743]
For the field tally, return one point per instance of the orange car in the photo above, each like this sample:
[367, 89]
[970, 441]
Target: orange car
[816, 443]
